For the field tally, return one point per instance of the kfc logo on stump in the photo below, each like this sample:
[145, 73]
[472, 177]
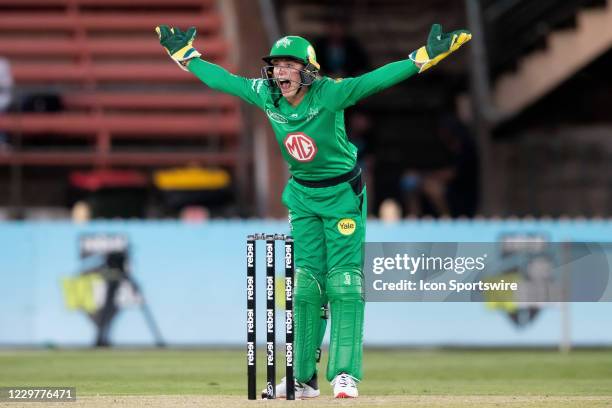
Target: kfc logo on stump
[300, 146]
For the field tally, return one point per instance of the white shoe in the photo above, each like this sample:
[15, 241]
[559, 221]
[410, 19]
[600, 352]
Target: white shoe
[309, 389]
[302, 390]
[345, 386]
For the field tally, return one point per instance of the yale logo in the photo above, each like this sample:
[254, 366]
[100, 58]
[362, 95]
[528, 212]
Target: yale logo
[346, 226]
[300, 146]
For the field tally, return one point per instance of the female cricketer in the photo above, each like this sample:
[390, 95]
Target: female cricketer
[326, 195]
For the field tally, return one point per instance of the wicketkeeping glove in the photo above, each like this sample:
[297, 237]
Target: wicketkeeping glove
[439, 46]
[178, 44]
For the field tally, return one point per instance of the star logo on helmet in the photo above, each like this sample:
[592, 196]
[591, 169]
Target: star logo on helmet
[283, 42]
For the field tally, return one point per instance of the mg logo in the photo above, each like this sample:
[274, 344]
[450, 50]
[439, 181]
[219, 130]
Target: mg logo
[300, 146]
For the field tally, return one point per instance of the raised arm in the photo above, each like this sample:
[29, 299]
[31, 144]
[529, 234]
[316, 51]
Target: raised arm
[340, 94]
[179, 46]
[252, 91]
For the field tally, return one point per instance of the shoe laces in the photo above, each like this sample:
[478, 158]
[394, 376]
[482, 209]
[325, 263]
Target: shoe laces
[344, 380]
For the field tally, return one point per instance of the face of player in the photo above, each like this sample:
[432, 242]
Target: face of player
[287, 75]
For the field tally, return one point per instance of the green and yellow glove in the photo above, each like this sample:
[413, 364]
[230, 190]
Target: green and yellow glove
[439, 46]
[178, 44]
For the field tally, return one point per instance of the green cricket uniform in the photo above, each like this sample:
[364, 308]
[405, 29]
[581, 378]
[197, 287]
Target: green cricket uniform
[326, 201]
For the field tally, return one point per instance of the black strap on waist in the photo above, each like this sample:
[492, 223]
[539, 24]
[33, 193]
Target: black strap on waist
[332, 181]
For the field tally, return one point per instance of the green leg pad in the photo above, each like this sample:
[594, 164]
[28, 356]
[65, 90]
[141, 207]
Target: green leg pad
[322, 327]
[345, 292]
[307, 310]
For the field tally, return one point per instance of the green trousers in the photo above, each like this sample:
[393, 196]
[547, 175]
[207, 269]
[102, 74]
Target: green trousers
[328, 226]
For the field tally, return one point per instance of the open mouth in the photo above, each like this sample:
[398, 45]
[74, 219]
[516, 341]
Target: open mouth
[285, 84]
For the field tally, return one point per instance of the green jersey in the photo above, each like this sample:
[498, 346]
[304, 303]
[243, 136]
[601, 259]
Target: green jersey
[311, 135]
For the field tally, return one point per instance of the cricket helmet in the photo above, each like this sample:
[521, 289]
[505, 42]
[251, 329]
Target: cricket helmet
[298, 49]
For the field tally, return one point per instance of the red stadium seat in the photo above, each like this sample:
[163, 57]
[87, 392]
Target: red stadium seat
[105, 21]
[29, 72]
[115, 81]
[150, 100]
[123, 159]
[214, 47]
[106, 3]
[135, 125]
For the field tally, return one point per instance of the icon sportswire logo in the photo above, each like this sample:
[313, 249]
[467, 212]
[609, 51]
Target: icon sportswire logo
[300, 146]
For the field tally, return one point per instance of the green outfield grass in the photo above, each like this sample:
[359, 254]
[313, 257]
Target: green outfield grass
[222, 372]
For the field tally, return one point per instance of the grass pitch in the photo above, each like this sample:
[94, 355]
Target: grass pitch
[392, 378]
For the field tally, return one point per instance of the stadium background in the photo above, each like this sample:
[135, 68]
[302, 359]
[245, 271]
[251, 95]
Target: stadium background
[101, 133]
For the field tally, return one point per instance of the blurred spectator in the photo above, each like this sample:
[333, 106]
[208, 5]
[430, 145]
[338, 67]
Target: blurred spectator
[462, 192]
[410, 188]
[424, 192]
[41, 102]
[6, 95]
[339, 53]
[361, 136]
[360, 131]
[81, 212]
[390, 211]
[194, 214]
[451, 190]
